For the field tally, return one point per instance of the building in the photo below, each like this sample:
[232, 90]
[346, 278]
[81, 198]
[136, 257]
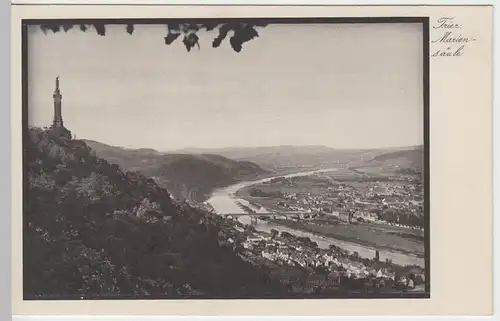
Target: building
[58, 124]
[365, 216]
[344, 216]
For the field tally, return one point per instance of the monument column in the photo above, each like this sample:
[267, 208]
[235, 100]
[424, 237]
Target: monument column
[58, 121]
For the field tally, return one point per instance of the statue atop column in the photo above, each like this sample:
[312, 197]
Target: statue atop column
[58, 125]
[58, 121]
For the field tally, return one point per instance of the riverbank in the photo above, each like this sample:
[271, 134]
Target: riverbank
[357, 234]
[224, 201]
[377, 236]
[304, 266]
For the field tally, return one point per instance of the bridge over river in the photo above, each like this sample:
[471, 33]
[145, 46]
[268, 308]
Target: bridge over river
[224, 202]
[254, 216]
[265, 214]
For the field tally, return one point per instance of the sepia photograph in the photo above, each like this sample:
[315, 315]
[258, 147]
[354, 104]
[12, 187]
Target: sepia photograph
[259, 158]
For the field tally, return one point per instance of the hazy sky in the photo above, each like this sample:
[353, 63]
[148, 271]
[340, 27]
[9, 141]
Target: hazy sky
[338, 85]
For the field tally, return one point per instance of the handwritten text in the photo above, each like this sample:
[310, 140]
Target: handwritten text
[450, 40]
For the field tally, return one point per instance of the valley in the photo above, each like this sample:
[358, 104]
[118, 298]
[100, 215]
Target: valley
[371, 203]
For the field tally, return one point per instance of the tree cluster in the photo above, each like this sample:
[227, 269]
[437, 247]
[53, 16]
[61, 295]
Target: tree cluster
[257, 192]
[92, 230]
[415, 220]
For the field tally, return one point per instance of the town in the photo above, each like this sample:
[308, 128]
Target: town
[300, 264]
[391, 202]
[328, 205]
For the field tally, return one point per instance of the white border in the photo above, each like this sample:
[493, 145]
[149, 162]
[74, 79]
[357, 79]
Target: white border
[254, 2]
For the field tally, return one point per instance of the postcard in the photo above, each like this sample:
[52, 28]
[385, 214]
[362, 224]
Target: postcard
[252, 160]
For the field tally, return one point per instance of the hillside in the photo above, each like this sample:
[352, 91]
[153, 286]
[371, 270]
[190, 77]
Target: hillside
[405, 161]
[94, 231]
[186, 176]
[412, 157]
[248, 152]
[292, 158]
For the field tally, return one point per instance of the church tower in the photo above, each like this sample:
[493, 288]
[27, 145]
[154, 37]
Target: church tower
[58, 121]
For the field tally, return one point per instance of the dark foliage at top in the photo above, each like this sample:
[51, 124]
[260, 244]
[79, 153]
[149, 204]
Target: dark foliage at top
[92, 230]
[186, 176]
[239, 33]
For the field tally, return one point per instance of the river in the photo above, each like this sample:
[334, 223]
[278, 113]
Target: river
[224, 201]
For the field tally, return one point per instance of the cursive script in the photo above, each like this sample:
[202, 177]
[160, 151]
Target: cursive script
[451, 42]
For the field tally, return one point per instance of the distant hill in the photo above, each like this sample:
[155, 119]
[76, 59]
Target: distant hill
[404, 161]
[248, 152]
[404, 158]
[184, 175]
[277, 158]
[120, 154]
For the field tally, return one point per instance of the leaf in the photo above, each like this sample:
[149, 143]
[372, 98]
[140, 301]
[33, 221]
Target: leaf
[249, 33]
[188, 28]
[236, 44]
[130, 29]
[223, 31]
[190, 41]
[44, 28]
[53, 27]
[100, 29]
[171, 38]
[173, 27]
[242, 35]
[67, 27]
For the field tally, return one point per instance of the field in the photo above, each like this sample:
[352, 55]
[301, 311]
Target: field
[370, 234]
